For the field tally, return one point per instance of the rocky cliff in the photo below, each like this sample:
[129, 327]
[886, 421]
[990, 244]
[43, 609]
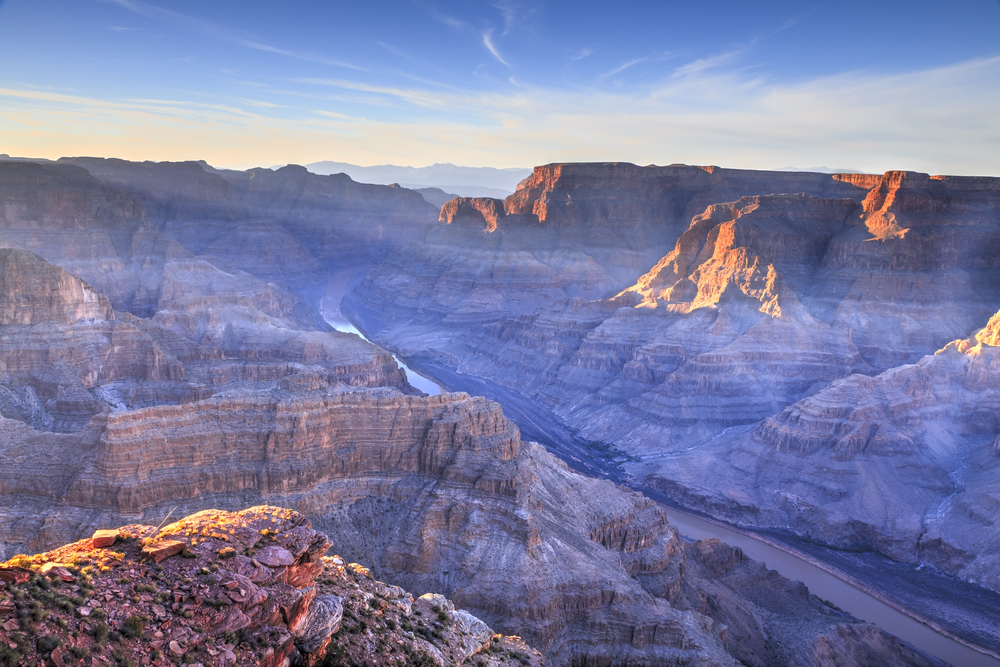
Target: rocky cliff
[248, 588]
[903, 462]
[214, 385]
[288, 224]
[768, 367]
[570, 230]
[442, 495]
[66, 357]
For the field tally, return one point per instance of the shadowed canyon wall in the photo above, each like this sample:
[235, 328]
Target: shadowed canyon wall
[771, 291]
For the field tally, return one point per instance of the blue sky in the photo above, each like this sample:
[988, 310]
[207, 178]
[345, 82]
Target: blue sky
[864, 85]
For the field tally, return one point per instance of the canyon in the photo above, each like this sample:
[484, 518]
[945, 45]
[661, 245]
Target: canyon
[785, 334]
[758, 346]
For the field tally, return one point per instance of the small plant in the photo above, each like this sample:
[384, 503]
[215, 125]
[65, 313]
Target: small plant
[21, 560]
[47, 644]
[134, 627]
[10, 657]
[101, 632]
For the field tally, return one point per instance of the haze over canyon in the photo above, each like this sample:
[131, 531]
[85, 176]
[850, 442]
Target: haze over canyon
[810, 358]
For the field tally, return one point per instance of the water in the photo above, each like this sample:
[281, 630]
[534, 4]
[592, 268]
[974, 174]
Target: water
[338, 286]
[837, 591]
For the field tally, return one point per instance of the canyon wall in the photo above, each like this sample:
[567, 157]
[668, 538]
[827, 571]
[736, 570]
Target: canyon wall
[768, 302]
[442, 495]
[164, 359]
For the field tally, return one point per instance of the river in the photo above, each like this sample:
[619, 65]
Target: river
[539, 424]
[329, 308]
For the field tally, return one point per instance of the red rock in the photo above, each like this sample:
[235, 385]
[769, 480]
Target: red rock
[57, 658]
[105, 538]
[58, 570]
[275, 556]
[295, 614]
[14, 575]
[303, 575]
[163, 549]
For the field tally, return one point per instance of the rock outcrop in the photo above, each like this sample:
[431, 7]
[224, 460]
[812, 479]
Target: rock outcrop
[65, 356]
[570, 230]
[440, 494]
[903, 462]
[33, 291]
[768, 368]
[248, 588]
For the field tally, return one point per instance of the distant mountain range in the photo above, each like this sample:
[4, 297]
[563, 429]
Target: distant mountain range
[463, 181]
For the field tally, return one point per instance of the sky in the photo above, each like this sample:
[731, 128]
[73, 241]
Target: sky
[866, 86]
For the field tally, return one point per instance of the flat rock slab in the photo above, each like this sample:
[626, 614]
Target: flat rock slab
[163, 549]
[105, 538]
[274, 557]
[57, 570]
[14, 575]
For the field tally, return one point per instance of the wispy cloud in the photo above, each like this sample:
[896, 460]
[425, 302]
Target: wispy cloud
[488, 43]
[395, 50]
[581, 54]
[509, 13]
[221, 33]
[450, 21]
[624, 66]
[941, 120]
[422, 98]
[118, 28]
[710, 62]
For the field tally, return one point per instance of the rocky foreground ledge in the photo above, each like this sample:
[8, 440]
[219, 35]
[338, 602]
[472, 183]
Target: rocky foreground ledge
[227, 588]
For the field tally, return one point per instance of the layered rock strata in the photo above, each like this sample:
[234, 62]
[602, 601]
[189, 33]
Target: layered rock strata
[570, 230]
[442, 495]
[65, 357]
[287, 224]
[761, 367]
[903, 462]
[220, 588]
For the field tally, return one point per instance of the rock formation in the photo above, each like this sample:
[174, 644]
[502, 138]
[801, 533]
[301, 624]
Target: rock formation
[219, 588]
[288, 225]
[204, 380]
[823, 465]
[763, 301]
[442, 495]
[65, 356]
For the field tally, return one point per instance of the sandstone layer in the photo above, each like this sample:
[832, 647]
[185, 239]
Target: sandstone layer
[66, 358]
